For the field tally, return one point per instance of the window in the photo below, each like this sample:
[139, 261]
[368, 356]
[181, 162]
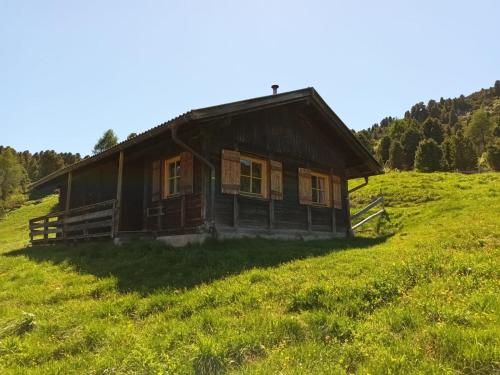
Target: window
[172, 176]
[251, 176]
[319, 190]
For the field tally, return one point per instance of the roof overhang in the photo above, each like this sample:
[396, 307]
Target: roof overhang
[369, 165]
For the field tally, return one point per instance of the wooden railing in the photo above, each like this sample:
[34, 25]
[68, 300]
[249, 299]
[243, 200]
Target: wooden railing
[377, 201]
[96, 220]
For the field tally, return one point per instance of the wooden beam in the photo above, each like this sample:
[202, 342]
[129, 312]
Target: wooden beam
[309, 218]
[119, 192]
[145, 195]
[334, 221]
[379, 200]
[68, 191]
[235, 210]
[270, 195]
[68, 200]
[183, 211]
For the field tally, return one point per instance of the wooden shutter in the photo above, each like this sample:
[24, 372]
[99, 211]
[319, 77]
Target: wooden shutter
[155, 183]
[337, 192]
[328, 191]
[186, 178]
[276, 180]
[305, 186]
[230, 172]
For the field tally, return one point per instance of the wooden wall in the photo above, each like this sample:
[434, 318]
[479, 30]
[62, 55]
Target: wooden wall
[290, 137]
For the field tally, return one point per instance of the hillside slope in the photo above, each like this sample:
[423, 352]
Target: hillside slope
[421, 296]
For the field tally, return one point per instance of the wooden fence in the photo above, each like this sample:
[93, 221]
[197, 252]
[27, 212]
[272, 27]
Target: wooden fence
[376, 202]
[96, 220]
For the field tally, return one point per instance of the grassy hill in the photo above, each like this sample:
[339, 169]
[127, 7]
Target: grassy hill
[417, 292]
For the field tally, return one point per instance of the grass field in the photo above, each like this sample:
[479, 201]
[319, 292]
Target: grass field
[417, 292]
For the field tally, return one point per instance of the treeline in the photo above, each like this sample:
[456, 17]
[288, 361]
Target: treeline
[18, 169]
[459, 134]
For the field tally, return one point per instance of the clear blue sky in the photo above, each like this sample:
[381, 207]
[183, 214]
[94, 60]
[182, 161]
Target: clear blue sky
[71, 69]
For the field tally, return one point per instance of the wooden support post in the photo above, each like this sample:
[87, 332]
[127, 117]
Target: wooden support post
[334, 221]
[309, 218]
[145, 196]
[45, 229]
[271, 213]
[183, 211]
[31, 230]
[119, 193]
[67, 203]
[271, 200]
[235, 211]
[349, 230]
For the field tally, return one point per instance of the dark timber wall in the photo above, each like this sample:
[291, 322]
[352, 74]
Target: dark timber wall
[296, 135]
[288, 136]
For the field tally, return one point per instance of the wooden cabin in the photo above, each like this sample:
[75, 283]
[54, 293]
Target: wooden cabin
[274, 166]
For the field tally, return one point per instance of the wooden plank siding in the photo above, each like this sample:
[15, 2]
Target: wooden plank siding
[283, 137]
[287, 138]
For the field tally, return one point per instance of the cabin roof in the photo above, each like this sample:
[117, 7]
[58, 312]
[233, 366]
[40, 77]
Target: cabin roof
[370, 165]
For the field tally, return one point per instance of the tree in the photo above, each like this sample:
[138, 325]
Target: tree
[432, 129]
[109, 139]
[448, 149]
[396, 155]
[383, 149]
[397, 128]
[363, 137]
[131, 135]
[480, 129]
[493, 156]
[419, 112]
[410, 140]
[465, 156]
[48, 162]
[433, 109]
[428, 156]
[497, 88]
[452, 117]
[12, 174]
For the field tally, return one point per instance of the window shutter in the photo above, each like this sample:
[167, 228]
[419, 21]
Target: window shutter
[276, 180]
[186, 178]
[337, 192]
[328, 191]
[305, 186]
[230, 172]
[155, 183]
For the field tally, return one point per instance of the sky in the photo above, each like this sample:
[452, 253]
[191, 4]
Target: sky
[69, 70]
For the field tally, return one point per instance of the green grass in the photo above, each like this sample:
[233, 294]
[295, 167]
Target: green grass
[416, 293]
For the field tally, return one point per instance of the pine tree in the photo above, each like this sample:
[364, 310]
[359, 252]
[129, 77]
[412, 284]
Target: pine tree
[383, 149]
[108, 140]
[448, 149]
[452, 117]
[396, 155]
[465, 156]
[432, 129]
[410, 140]
[48, 162]
[428, 156]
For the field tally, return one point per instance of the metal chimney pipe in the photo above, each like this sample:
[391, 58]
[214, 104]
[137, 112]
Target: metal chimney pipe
[275, 89]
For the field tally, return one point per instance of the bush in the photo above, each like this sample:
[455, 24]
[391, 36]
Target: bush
[428, 156]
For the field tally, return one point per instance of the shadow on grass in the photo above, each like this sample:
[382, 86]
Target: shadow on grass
[147, 266]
